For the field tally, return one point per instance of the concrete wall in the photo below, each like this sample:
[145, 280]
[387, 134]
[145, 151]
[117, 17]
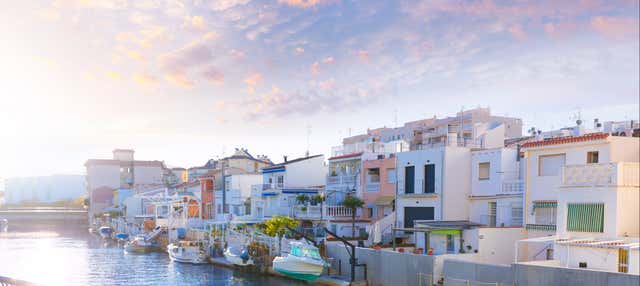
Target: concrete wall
[477, 272]
[147, 174]
[457, 166]
[384, 267]
[535, 275]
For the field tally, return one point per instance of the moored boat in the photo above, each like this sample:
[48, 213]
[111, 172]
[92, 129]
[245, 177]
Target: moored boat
[303, 262]
[140, 245]
[122, 236]
[105, 231]
[188, 251]
[238, 255]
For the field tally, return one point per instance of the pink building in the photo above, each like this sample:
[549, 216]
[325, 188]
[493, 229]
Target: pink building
[378, 181]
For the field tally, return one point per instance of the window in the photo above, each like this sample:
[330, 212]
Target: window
[370, 212]
[592, 157]
[373, 175]
[280, 181]
[585, 217]
[545, 215]
[483, 171]
[391, 176]
[429, 179]
[516, 214]
[550, 165]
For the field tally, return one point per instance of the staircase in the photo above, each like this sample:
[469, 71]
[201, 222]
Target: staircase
[381, 230]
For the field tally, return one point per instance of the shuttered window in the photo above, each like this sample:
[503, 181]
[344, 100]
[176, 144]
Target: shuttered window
[483, 171]
[585, 217]
[550, 165]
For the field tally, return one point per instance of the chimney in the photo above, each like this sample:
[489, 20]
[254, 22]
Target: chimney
[285, 158]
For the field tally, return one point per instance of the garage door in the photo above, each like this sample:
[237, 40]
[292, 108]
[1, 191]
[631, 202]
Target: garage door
[417, 213]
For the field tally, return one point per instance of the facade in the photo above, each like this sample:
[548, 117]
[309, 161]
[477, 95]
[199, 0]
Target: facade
[582, 202]
[44, 189]
[283, 182]
[379, 187]
[106, 175]
[238, 198]
[497, 187]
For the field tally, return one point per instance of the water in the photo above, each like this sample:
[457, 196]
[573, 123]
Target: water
[63, 255]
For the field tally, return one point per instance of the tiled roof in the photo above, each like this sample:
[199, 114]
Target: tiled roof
[346, 156]
[566, 140]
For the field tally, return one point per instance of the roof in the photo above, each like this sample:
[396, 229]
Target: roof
[567, 140]
[123, 150]
[290, 162]
[346, 156]
[178, 169]
[123, 163]
[384, 201]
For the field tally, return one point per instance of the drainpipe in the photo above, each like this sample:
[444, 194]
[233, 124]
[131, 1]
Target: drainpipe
[442, 165]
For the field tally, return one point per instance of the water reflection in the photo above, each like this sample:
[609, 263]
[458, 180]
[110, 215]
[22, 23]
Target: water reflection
[54, 254]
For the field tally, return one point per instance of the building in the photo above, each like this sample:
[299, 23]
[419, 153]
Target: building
[238, 194]
[44, 189]
[283, 182]
[582, 201]
[379, 186]
[122, 171]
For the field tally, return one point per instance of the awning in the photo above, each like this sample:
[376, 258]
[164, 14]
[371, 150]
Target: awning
[446, 231]
[545, 204]
[299, 191]
[384, 201]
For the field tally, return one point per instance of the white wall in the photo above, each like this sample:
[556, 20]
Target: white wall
[306, 173]
[456, 185]
[147, 174]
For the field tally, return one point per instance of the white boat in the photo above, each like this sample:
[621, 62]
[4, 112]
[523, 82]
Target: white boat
[105, 231]
[303, 262]
[4, 225]
[140, 245]
[238, 255]
[188, 251]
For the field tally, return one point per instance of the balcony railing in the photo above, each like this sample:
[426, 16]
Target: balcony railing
[360, 147]
[372, 187]
[314, 212]
[342, 180]
[463, 142]
[607, 174]
[514, 186]
[543, 227]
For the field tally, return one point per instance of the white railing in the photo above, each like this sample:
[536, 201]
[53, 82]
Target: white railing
[337, 211]
[372, 187]
[308, 212]
[462, 142]
[360, 147]
[512, 186]
[607, 174]
[342, 180]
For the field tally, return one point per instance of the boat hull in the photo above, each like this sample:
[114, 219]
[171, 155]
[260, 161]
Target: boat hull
[186, 255]
[235, 258]
[298, 268]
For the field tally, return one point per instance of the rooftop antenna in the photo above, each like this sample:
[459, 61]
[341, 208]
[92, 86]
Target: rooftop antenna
[349, 131]
[395, 117]
[308, 142]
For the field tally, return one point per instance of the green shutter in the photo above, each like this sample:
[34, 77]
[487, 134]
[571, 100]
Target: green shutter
[446, 231]
[585, 217]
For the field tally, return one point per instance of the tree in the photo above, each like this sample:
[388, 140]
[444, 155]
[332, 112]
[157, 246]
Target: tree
[352, 203]
[302, 199]
[278, 226]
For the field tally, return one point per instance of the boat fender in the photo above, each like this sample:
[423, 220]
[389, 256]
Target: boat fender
[245, 256]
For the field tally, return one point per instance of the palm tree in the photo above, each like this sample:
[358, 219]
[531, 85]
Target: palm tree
[352, 203]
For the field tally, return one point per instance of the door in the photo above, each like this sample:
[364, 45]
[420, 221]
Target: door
[450, 244]
[430, 178]
[493, 209]
[409, 179]
[623, 260]
[417, 213]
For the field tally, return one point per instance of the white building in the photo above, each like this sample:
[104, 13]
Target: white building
[238, 194]
[44, 189]
[497, 187]
[582, 202]
[281, 183]
[106, 175]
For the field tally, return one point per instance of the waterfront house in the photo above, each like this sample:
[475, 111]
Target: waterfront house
[283, 182]
[582, 201]
[238, 194]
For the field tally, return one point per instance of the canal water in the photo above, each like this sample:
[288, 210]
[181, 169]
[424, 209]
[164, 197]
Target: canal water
[54, 254]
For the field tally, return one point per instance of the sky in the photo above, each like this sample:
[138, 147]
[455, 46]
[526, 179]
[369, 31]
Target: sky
[185, 81]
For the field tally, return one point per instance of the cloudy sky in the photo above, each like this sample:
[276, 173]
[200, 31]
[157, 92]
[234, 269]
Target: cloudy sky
[184, 81]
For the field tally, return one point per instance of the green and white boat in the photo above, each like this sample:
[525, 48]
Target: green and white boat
[304, 262]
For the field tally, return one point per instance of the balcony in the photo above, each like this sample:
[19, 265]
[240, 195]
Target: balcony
[342, 180]
[512, 187]
[360, 147]
[314, 212]
[372, 187]
[445, 142]
[624, 174]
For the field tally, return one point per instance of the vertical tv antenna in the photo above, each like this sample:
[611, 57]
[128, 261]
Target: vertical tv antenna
[308, 141]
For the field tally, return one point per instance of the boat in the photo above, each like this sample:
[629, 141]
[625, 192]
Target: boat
[105, 231]
[140, 245]
[120, 236]
[188, 251]
[4, 225]
[238, 255]
[303, 262]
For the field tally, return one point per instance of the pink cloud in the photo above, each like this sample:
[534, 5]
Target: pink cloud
[299, 51]
[364, 56]
[615, 27]
[328, 60]
[561, 29]
[306, 3]
[253, 79]
[517, 32]
[315, 68]
[213, 75]
[237, 55]
[196, 23]
[145, 79]
[180, 79]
